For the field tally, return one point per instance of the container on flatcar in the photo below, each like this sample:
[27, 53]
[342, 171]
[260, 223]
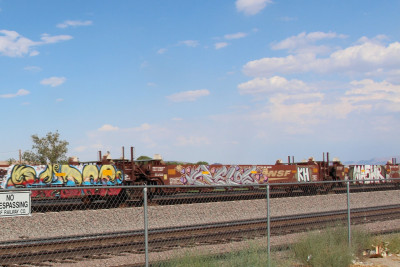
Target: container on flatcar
[39, 176]
[237, 174]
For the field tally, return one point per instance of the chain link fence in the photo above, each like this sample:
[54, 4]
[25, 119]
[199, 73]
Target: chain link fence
[157, 225]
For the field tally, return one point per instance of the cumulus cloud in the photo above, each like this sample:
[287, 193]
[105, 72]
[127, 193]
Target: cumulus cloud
[251, 7]
[272, 85]
[382, 95]
[220, 45]
[53, 81]
[304, 116]
[20, 92]
[369, 56]
[296, 106]
[285, 65]
[108, 128]
[188, 95]
[305, 42]
[12, 44]
[74, 23]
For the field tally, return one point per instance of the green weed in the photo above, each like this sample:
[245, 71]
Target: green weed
[330, 247]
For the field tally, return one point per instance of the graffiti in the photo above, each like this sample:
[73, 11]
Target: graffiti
[43, 175]
[224, 175]
[303, 174]
[367, 173]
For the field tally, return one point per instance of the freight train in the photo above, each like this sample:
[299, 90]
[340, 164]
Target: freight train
[99, 178]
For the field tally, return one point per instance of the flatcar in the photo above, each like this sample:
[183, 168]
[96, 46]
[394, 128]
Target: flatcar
[105, 173]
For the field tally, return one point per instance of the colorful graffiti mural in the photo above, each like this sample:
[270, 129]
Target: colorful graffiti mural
[238, 174]
[61, 175]
[224, 175]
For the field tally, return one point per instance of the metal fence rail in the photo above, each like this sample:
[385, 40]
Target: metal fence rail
[150, 224]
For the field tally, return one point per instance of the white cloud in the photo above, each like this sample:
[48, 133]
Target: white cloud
[366, 56]
[235, 35]
[220, 45]
[304, 42]
[34, 53]
[302, 113]
[20, 92]
[12, 44]
[74, 23]
[108, 128]
[59, 100]
[271, 65]
[188, 95]
[381, 95]
[190, 43]
[53, 81]
[251, 7]
[48, 39]
[274, 84]
[369, 56]
[297, 107]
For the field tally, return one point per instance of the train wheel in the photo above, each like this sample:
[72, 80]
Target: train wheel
[87, 200]
[289, 190]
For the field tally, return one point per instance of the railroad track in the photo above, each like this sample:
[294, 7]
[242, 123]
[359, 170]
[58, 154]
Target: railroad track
[189, 197]
[256, 193]
[35, 251]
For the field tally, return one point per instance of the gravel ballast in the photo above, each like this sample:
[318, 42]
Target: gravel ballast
[82, 222]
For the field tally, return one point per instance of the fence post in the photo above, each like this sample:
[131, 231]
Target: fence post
[348, 213]
[268, 230]
[146, 230]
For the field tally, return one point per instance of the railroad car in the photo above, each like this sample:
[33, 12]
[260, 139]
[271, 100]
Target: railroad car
[71, 175]
[106, 173]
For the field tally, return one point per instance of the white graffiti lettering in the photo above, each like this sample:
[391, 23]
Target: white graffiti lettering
[368, 173]
[303, 175]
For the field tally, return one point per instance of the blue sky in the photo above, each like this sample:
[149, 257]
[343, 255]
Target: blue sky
[246, 81]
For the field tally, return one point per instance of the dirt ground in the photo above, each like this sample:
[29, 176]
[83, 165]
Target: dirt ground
[389, 261]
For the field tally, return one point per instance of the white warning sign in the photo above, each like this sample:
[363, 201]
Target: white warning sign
[15, 204]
